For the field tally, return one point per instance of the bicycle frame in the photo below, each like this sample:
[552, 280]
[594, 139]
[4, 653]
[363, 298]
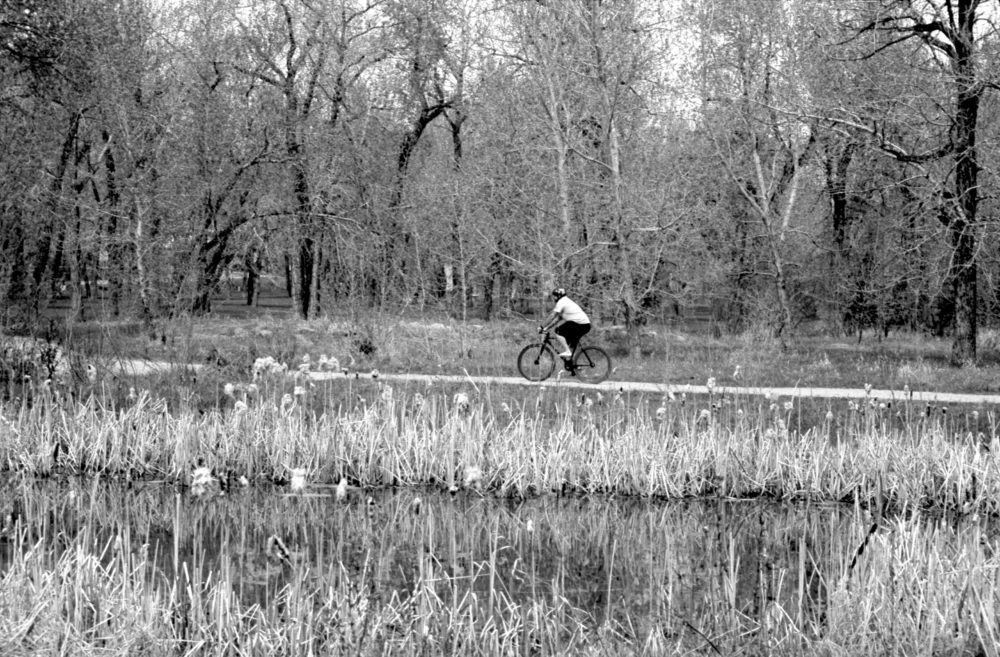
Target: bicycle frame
[537, 361]
[549, 341]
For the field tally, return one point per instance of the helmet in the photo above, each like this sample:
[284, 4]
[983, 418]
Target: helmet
[558, 292]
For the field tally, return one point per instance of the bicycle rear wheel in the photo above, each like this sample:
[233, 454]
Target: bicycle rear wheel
[536, 362]
[592, 364]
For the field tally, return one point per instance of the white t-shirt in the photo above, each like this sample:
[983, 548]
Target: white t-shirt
[570, 311]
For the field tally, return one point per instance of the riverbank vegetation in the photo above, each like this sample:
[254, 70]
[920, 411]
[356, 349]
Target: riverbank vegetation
[904, 454]
[122, 569]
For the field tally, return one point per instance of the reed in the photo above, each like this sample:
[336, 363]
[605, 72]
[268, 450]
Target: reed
[593, 576]
[547, 442]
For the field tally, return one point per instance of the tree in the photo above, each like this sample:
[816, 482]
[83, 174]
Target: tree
[945, 41]
[754, 82]
[288, 51]
[588, 74]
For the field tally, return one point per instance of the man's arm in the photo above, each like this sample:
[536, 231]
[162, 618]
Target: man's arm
[555, 319]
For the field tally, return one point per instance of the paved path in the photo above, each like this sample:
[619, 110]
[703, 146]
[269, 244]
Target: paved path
[143, 367]
[662, 388]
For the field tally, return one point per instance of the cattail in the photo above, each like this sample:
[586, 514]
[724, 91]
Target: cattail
[473, 477]
[277, 551]
[202, 481]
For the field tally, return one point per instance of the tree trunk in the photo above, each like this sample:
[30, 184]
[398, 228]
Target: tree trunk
[112, 268]
[73, 263]
[212, 261]
[316, 304]
[399, 239]
[964, 280]
[252, 264]
[306, 247]
[562, 174]
[48, 251]
[964, 266]
[141, 279]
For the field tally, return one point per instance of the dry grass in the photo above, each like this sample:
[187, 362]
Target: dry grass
[665, 354]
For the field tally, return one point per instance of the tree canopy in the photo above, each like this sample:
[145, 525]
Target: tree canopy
[773, 164]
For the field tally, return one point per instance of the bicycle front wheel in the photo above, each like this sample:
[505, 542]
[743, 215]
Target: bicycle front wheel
[536, 362]
[592, 364]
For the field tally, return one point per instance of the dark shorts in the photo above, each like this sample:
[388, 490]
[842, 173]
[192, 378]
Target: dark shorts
[572, 332]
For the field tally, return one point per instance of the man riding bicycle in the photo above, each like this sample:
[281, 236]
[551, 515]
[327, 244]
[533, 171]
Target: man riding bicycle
[569, 321]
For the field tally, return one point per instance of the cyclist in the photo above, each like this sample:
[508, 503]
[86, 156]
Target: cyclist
[569, 321]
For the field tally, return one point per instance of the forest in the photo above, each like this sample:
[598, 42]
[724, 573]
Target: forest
[776, 164]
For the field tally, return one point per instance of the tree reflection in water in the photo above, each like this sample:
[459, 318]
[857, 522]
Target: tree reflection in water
[635, 563]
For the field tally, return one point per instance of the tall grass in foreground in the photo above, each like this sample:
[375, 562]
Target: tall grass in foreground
[915, 590]
[547, 442]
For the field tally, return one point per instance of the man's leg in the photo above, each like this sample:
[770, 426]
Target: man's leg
[565, 351]
[579, 331]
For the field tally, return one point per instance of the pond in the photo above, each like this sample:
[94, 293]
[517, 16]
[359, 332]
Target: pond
[694, 571]
[597, 524]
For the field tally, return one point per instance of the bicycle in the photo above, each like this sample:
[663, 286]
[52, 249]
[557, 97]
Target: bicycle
[537, 361]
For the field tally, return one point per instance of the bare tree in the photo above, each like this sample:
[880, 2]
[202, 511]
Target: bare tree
[755, 91]
[944, 41]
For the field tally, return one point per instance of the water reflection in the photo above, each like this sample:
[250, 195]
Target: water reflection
[633, 562]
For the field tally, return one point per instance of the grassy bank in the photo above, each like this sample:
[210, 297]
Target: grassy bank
[666, 354]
